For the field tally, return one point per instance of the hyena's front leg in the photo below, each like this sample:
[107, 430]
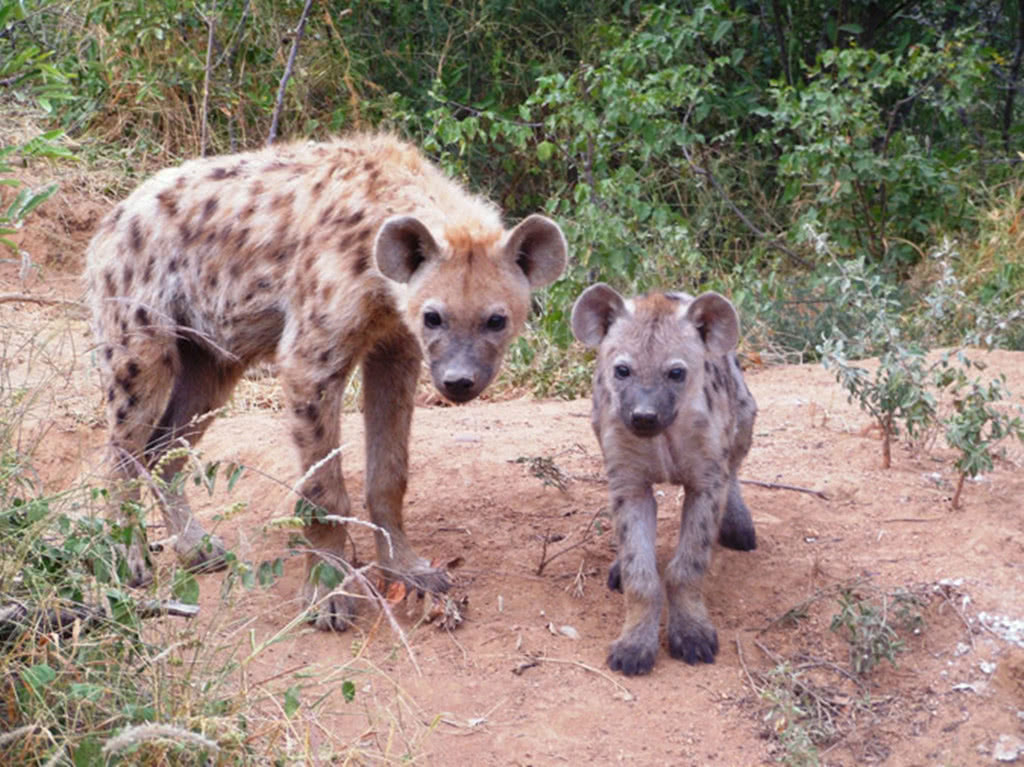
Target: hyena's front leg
[691, 637]
[315, 410]
[390, 372]
[635, 513]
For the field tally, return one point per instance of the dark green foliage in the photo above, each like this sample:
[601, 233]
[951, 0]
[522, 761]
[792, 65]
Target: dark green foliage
[748, 147]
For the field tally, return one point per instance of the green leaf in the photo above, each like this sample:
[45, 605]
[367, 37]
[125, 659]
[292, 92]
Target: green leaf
[291, 701]
[235, 474]
[348, 690]
[185, 587]
[38, 676]
[545, 149]
[325, 575]
[721, 31]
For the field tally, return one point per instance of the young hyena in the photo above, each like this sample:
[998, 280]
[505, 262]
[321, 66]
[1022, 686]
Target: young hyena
[320, 256]
[670, 405]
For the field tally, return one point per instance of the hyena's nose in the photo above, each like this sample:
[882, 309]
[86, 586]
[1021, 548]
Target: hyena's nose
[644, 420]
[458, 386]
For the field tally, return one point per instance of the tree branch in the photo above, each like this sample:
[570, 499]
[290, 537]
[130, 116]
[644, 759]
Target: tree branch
[17, 617]
[204, 129]
[299, 32]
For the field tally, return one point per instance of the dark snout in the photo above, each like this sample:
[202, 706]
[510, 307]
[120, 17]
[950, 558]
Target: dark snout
[647, 412]
[458, 381]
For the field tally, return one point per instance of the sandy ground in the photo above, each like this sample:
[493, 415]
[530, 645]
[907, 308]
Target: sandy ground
[523, 680]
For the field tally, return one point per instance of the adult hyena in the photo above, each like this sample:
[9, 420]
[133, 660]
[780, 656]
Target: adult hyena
[669, 405]
[320, 256]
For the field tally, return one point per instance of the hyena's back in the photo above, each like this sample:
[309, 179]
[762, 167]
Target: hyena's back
[237, 251]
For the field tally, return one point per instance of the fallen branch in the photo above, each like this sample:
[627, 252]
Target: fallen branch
[588, 537]
[11, 298]
[624, 692]
[780, 486]
[17, 617]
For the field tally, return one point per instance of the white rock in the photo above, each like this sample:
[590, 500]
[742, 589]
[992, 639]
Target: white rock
[1008, 748]
[569, 631]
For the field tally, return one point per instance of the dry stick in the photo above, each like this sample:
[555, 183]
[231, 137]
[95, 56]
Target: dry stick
[288, 72]
[588, 536]
[967, 623]
[626, 694]
[743, 663]
[11, 298]
[780, 486]
[203, 131]
[17, 616]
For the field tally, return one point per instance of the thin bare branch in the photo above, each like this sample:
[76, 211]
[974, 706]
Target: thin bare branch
[211, 23]
[781, 486]
[12, 298]
[299, 32]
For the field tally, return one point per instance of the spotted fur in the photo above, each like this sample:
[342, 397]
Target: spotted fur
[669, 405]
[321, 257]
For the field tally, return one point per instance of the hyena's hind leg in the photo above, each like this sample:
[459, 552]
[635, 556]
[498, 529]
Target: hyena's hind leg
[203, 383]
[736, 530]
[390, 372]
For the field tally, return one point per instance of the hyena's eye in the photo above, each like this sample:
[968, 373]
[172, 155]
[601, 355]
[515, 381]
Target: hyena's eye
[432, 319]
[677, 374]
[496, 322]
[622, 371]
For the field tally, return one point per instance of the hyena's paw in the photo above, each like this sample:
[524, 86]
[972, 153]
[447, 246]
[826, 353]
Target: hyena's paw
[615, 577]
[202, 553]
[335, 612]
[692, 641]
[421, 577]
[631, 657]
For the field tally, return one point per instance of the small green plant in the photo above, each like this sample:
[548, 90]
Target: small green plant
[794, 716]
[872, 628]
[977, 427]
[26, 199]
[896, 393]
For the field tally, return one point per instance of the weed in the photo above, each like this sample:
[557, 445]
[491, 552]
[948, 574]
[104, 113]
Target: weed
[798, 715]
[977, 428]
[871, 628]
[546, 470]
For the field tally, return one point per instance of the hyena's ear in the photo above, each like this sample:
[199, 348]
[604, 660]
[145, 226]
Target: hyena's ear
[538, 247]
[594, 312]
[403, 246]
[716, 320]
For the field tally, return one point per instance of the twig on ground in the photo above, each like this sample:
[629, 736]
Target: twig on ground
[743, 664]
[780, 486]
[10, 298]
[946, 598]
[626, 694]
[588, 536]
